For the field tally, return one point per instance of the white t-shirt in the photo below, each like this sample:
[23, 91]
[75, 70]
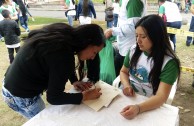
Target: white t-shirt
[116, 8]
[172, 12]
[1, 17]
[71, 6]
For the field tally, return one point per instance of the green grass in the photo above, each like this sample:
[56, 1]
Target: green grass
[41, 20]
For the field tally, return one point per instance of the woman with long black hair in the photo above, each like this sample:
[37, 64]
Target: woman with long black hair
[45, 63]
[150, 68]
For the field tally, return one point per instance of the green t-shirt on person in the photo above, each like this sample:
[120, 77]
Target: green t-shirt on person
[168, 72]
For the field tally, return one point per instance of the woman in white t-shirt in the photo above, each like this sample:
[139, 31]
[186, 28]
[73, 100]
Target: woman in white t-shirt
[173, 16]
[150, 68]
[71, 12]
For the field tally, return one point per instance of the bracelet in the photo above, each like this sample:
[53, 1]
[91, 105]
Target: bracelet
[139, 110]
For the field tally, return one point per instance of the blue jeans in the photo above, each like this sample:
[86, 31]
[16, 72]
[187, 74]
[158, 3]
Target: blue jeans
[191, 29]
[115, 19]
[24, 22]
[70, 19]
[109, 24]
[176, 24]
[27, 107]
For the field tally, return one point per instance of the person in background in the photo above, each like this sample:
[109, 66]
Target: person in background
[23, 15]
[70, 12]
[150, 67]
[173, 17]
[6, 4]
[109, 17]
[27, 10]
[10, 30]
[108, 13]
[130, 12]
[191, 28]
[14, 4]
[85, 10]
[46, 62]
[116, 9]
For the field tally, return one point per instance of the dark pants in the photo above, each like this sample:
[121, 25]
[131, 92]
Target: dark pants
[118, 59]
[11, 53]
[191, 29]
[176, 24]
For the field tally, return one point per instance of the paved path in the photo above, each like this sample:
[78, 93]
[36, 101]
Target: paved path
[100, 14]
[59, 14]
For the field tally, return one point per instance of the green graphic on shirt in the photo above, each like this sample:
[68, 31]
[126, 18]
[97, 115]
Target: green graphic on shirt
[133, 86]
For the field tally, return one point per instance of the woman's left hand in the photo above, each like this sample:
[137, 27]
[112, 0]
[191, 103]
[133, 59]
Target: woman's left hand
[130, 111]
[82, 86]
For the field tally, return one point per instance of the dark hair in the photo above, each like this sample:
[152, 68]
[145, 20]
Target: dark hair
[161, 1]
[5, 13]
[61, 36]
[117, 1]
[73, 1]
[85, 7]
[92, 35]
[157, 33]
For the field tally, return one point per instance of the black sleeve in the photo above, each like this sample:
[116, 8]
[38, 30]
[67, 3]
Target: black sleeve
[1, 30]
[61, 66]
[73, 77]
[93, 69]
[22, 7]
[17, 29]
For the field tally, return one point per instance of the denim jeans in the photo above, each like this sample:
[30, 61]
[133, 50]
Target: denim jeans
[115, 19]
[27, 107]
[109, 24]
[191, 29]
[24, 22]
[176, 24]
[70, 19]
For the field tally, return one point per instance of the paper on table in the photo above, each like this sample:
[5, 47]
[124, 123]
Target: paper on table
[108, 94]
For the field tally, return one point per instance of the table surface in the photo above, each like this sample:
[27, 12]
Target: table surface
[82, 115]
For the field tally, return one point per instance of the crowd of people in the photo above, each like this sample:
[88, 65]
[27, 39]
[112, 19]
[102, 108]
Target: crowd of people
[12, 13]
[146, 61]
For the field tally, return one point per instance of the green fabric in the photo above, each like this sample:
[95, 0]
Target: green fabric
[11, 9]
[134, 8]
[126, 60]
[107, 68]
[67, 2]
[120, 3]
[169, 73]
[192, 1]
[161, 10]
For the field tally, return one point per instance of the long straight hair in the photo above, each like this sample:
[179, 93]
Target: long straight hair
[61, 36]
[85, 7]
[156, 31]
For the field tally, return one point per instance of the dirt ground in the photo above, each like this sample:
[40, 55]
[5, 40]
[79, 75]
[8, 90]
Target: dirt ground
[184, 98]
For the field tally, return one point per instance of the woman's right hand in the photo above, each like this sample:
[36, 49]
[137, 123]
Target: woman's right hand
[128, 91]
[91, 94]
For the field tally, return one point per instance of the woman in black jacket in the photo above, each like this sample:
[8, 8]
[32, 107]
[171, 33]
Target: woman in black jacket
[45, 63]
